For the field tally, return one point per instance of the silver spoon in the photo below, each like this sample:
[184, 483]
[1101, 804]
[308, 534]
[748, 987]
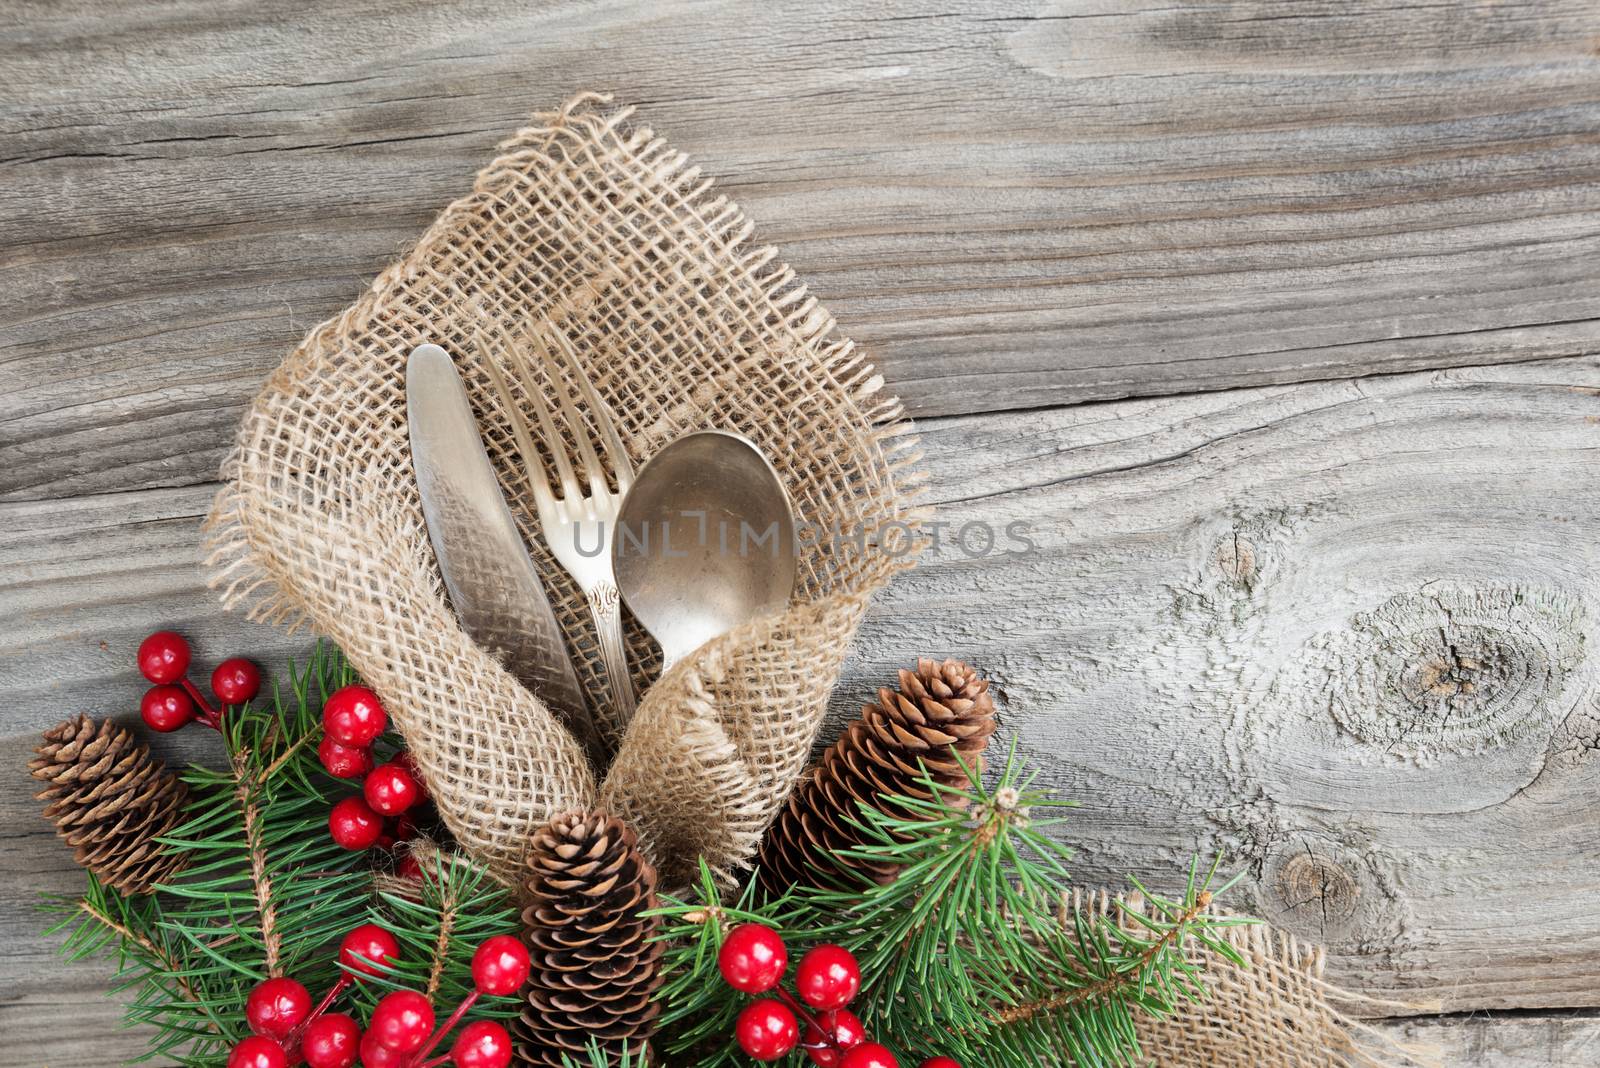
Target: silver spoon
[705, 541]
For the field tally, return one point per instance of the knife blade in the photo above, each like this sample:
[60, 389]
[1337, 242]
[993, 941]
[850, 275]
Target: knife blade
[493, 583]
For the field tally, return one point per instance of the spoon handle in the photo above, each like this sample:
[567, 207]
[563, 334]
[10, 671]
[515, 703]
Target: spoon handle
[605, 604]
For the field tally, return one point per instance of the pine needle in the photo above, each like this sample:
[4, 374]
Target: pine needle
[265, 892]
[969, 952]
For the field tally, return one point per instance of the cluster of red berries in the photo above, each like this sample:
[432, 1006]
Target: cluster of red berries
[288, 1029]
[352, 720]
[753, 960]
[173, 700]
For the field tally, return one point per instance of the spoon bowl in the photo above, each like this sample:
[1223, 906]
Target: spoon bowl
[705, 541]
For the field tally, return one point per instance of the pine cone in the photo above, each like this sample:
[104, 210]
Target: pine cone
[110, 799]
[595, 968]
[940, 711]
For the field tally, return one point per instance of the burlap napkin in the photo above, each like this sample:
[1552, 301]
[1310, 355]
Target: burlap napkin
[682, 324]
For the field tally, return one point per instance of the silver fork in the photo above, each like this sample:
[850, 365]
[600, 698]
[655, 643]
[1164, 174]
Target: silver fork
[577, 522]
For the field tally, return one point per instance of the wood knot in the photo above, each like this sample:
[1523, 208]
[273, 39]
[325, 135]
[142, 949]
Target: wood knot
[1237, 559]
[1307, 881]
[1451, 670]
[1314, 887]
[1455, 672]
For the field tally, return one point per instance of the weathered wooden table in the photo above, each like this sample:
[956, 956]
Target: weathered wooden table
[1277, 321]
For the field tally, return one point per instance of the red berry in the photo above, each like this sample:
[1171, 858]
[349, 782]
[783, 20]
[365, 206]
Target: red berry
[354, 825]
[408, 869]
[753, 958]
[343, 761]
[375, 1054]
[332, 1040]
[941, 1062]
[500, 965]
[166, 708]
[868, 1055]
[766, 1030]
[276, 1007]
[236, 681]
[390, 789]
[258, 1051]
[353, 716]
[482, 1044]
[409, 762]
[367, 946]
[405, 828]
[163, 657]
[402, 1020]
[843, 1027]
[828, 977]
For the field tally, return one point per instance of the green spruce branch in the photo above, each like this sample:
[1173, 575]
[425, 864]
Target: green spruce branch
[267, 892]
[449, 909]
[971, 951]
[1117, 982]
[247, 784]
[698, 1010]
[600, 1057]
[157, 957]
[439, 922]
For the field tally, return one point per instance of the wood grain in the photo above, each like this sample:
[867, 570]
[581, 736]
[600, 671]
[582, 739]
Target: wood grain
[1017, 205]
[1530, 1040]
[1341, 628]
[1342, 632]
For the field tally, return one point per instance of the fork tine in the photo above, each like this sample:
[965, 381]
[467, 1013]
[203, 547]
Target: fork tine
[570, 490]
[532, 468]
[587, 460]
[610, 441]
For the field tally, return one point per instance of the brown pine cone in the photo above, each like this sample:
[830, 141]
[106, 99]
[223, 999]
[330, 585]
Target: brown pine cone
[940, 710]
[595, 968]
[110, 799]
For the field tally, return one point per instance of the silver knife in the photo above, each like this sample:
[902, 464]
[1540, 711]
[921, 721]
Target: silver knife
[493, 583]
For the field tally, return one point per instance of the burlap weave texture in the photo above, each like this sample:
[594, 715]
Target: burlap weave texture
[1275, 1012]
[682, 325]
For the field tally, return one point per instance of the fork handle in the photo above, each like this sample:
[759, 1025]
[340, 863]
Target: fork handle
[605, 604]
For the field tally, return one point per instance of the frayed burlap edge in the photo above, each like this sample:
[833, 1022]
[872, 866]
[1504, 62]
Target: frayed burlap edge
[585, 220]
[718, 741]
[1275, 1011]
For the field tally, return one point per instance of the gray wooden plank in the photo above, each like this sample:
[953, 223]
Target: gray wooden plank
[1234, 600]
[1015, 205]
[83, 581]
[1531, 1040]
[1012, 207]
[1340, 631]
